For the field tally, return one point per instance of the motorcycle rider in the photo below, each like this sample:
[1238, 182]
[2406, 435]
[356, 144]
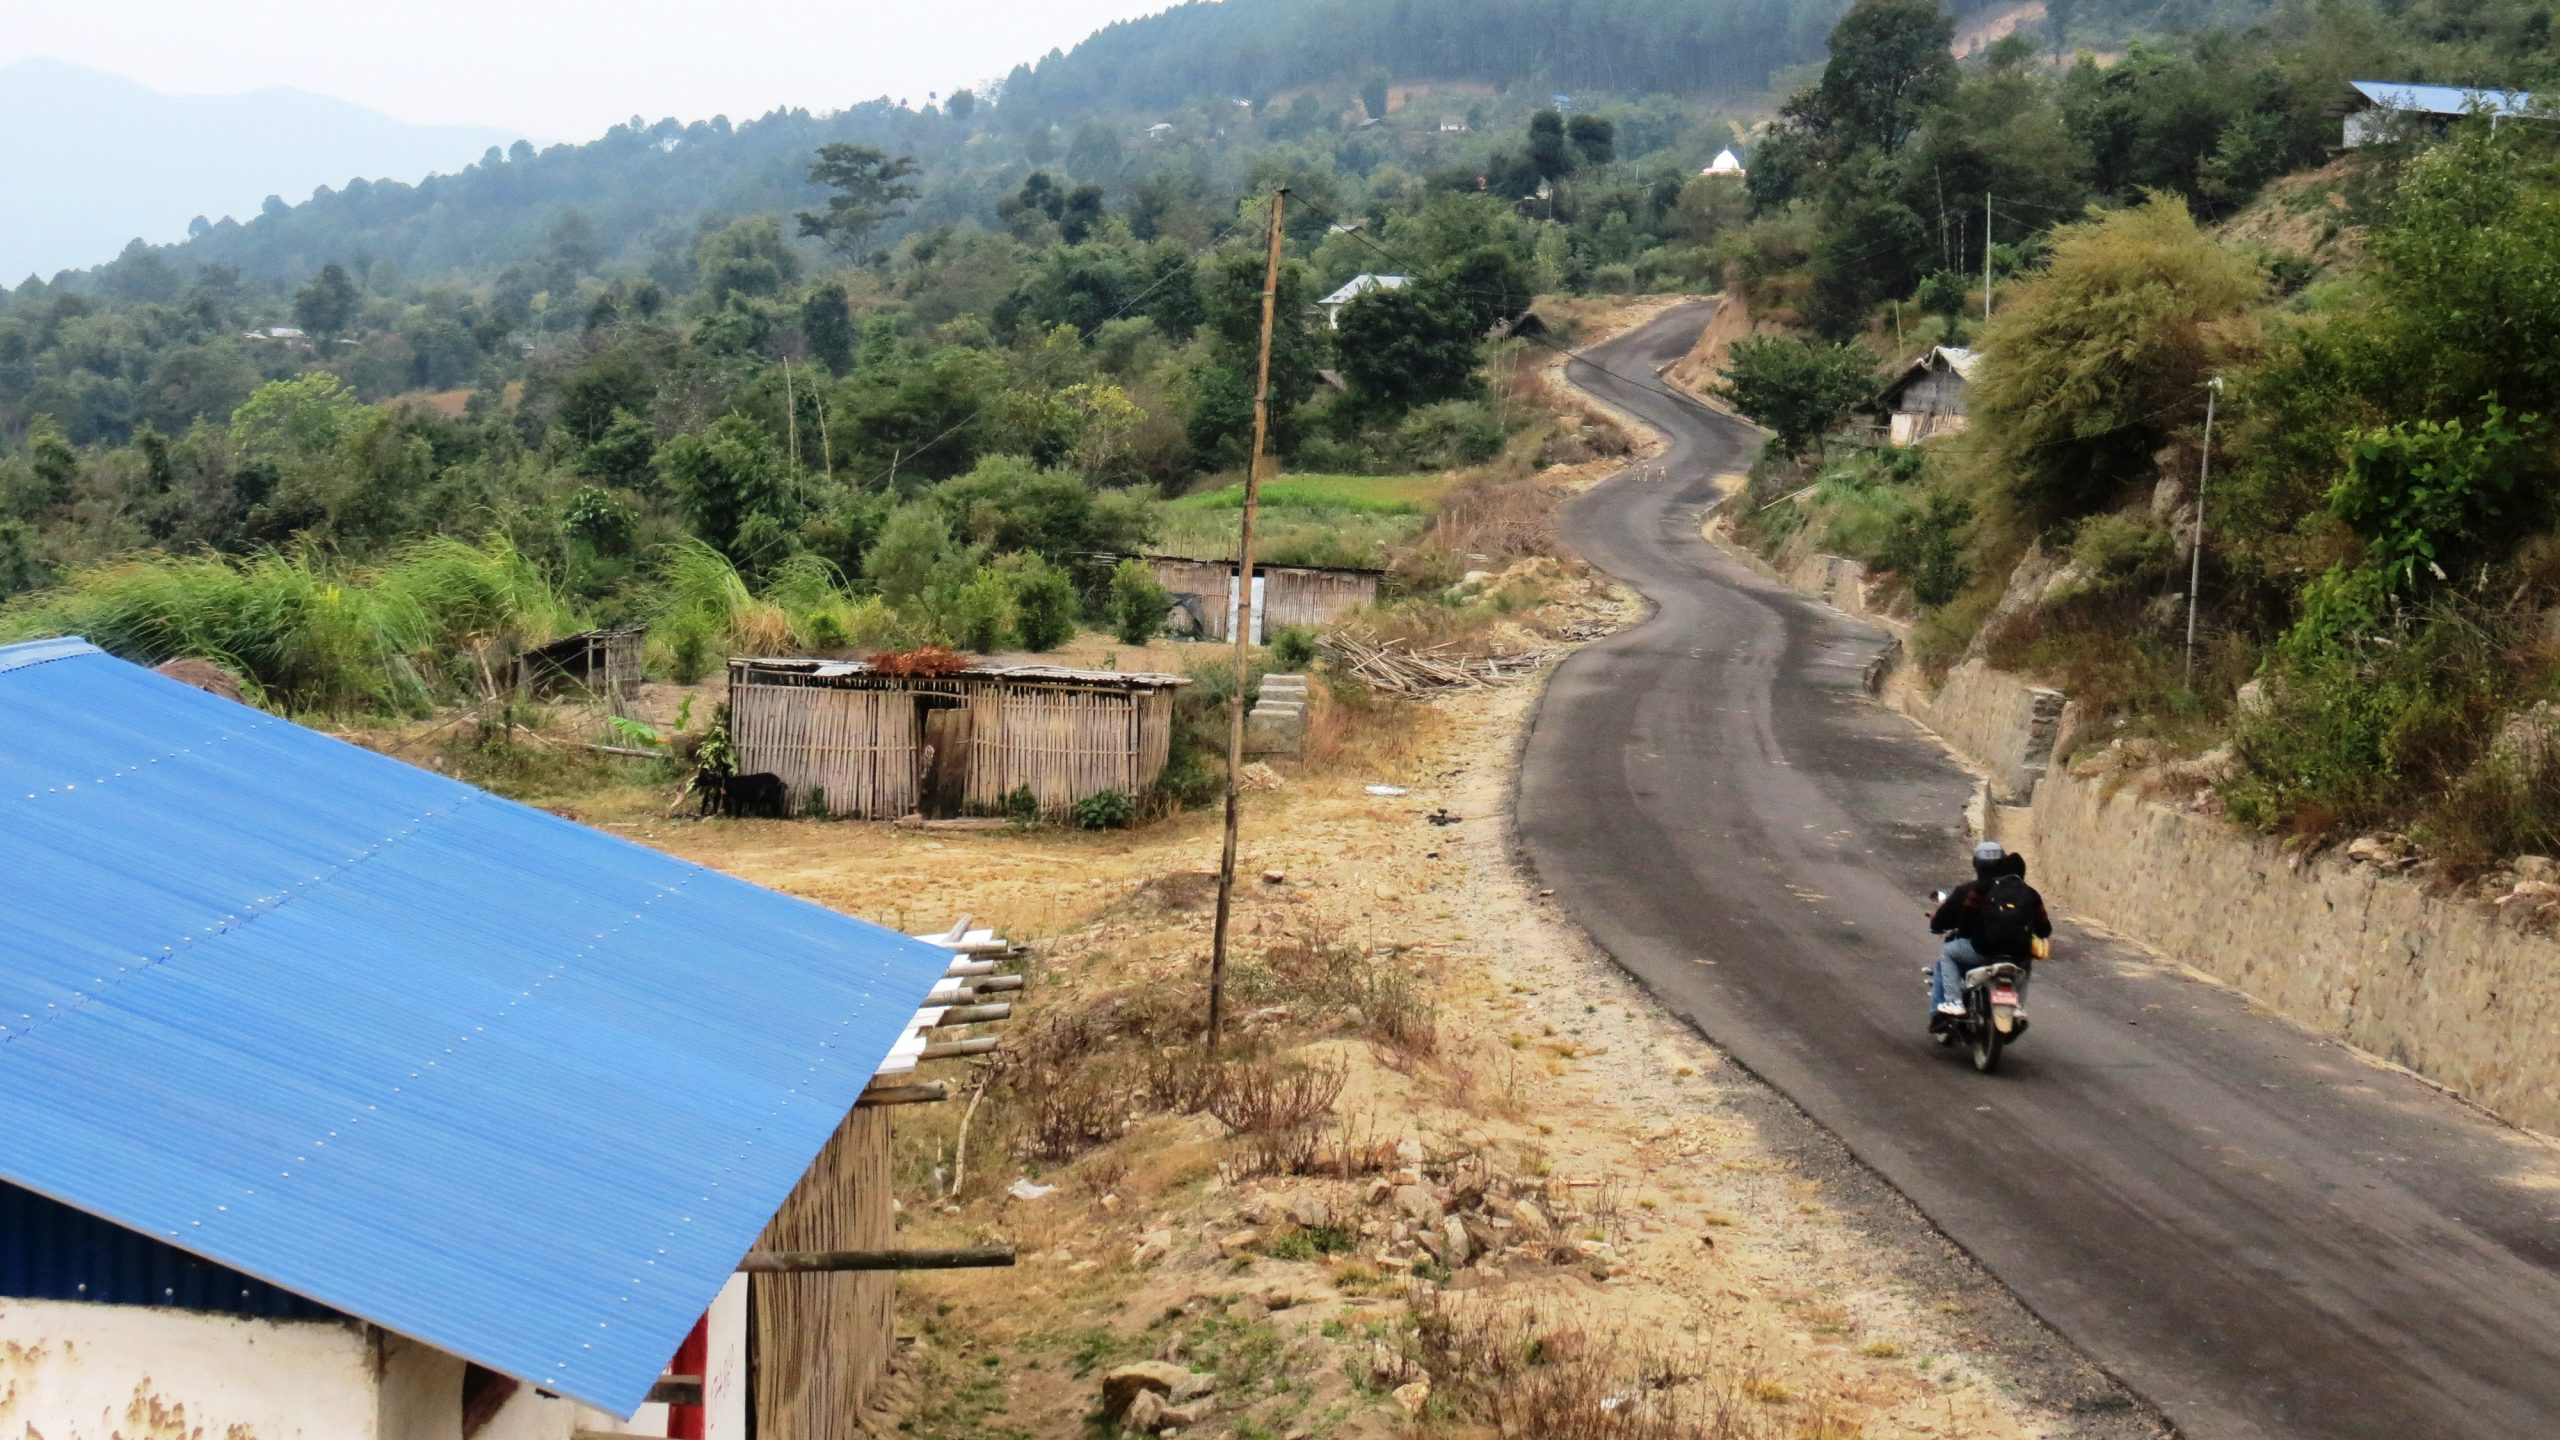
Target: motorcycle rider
[1994, 916]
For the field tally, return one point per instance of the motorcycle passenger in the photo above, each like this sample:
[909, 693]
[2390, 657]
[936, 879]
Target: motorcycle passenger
[1994, 916]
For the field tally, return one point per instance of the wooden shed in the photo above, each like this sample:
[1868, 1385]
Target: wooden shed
[850, 741]
[1929, 398]
[1284, 595]
[603, 663]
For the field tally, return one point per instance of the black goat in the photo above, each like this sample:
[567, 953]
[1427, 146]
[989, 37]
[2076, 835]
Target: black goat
[737, 796]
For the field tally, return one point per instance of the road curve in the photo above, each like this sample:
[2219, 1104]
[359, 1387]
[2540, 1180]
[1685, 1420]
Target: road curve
[2261, 1233]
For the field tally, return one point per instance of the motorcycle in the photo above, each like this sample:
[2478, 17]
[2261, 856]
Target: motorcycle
[1991, 1021]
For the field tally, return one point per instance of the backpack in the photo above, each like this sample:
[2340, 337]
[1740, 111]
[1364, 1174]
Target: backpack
[2004, 920]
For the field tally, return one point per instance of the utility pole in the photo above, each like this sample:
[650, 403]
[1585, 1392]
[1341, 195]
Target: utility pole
[1240, 624]
[1986, 257]
[790, 421]
[2195, 558]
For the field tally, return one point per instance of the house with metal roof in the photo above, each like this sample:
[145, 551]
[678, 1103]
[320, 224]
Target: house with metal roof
[340, 1099]
[1353, 289]
[2380, 110]
[1928, 397]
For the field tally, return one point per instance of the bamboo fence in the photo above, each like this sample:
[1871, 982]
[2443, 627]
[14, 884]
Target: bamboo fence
[822, 1340]
[858, 750]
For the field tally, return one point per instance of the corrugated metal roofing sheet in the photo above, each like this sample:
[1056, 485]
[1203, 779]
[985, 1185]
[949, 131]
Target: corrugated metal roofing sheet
[2443, 99]
[505, 1084]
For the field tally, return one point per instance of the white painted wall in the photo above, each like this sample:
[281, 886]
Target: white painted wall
[74, 1371]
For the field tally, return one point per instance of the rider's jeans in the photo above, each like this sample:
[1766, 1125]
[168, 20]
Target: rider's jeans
[1946, 978]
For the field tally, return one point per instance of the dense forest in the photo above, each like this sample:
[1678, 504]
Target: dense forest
[2177, 239]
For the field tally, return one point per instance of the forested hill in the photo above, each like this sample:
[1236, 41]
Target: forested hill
[636, 199]
[1246, 49]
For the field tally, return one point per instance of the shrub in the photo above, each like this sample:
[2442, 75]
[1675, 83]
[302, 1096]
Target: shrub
[1926, 548]
[1450, 434]
[1044, 604]
[1294, 648]
[1021, 806]
[2092, 364]
[1103, 810]
[982, 612]
[1138, 603]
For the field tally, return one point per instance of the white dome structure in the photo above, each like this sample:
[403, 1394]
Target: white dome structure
[1725, 163]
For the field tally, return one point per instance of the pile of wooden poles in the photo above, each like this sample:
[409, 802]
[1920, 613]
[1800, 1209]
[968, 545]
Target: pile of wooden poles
[1398, 669]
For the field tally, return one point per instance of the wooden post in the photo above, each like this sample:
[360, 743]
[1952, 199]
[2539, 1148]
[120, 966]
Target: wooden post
[1240, 621]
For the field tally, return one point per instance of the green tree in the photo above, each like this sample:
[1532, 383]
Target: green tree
[327, 306]
[1407, 347]
[826, 321]
[1373, 93]
[2093, 364]
[1138, 603]
[870, 189]
[625, 453]
[1594, 137]
[745, 257]
[1797, 391]
[1890, 61]
[1044, 602]
[981, 611]
[723, 475]
[1549, 155]
[913, 552]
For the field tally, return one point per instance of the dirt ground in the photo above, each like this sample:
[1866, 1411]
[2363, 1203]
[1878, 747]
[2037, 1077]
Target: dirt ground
[1694, 1253]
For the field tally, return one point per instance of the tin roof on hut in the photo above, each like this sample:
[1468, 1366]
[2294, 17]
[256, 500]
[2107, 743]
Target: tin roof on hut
[515, 1088]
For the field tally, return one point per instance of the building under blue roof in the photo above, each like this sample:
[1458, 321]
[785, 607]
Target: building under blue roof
[389, 1045]
[2380, 110]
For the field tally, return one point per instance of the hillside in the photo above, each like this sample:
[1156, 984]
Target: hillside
[176, 157]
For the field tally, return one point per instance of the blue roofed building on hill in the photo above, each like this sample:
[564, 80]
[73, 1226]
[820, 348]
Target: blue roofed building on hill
[2377, 111]
[341, 1099]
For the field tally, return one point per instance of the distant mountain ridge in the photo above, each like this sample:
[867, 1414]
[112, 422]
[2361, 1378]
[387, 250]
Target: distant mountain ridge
[91, 161]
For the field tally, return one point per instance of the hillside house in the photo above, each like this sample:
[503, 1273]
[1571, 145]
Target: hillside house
[341, 1100]
[1353, 289]
[1453, 124]
[850, 740]
[1928, 398]
[2379, 110]
[1307, 596]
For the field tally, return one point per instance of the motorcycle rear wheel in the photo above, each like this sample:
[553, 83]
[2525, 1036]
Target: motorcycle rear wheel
[1987, 1042]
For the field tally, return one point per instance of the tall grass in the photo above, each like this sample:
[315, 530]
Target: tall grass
[704, 610]
[307, 631]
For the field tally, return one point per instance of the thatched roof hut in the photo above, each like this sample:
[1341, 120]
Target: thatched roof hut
[849, 740]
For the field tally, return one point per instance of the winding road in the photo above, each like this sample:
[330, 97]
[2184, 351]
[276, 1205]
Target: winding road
[2259, 1232]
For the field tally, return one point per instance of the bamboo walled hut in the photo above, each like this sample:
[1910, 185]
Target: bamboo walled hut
[1284, 595]
[848, 740]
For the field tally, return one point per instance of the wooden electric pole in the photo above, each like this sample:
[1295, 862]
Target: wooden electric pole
[1240, 626]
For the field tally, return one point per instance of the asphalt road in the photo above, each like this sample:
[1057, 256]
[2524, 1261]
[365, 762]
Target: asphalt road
[2259, 1232]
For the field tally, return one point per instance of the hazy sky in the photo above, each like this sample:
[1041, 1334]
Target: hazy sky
[562, 69]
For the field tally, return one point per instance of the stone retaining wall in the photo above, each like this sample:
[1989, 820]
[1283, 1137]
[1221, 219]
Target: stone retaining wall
[2444, 987]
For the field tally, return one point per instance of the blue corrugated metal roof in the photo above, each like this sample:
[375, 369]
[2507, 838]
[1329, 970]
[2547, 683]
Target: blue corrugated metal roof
[505, 1084]
[2443, 99]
